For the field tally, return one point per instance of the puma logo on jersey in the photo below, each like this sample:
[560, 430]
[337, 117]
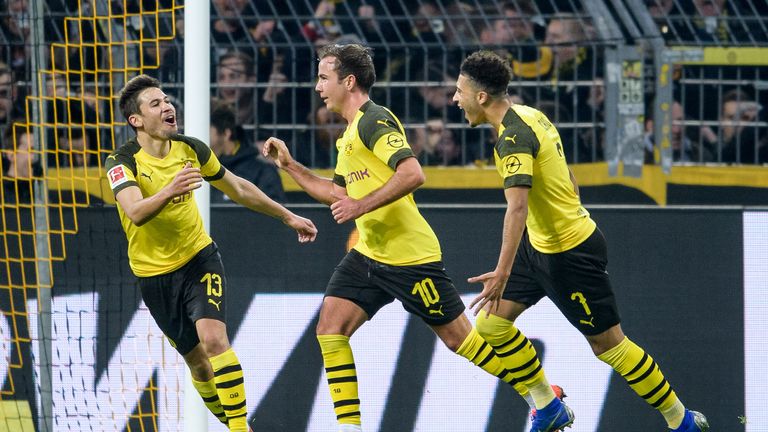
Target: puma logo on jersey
[383, 122]
[438, 311]
[148, 176]
[512, 138]
[589, 323]
[217, 304]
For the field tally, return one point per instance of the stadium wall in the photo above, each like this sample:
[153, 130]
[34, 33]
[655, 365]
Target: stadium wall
[681, 277]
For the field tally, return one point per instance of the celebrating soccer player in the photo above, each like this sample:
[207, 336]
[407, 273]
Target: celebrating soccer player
[550, 246]
[177, 263]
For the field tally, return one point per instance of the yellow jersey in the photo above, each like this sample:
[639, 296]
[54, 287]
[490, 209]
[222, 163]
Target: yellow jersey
[174, 235]
[368, 154]
[529, 153]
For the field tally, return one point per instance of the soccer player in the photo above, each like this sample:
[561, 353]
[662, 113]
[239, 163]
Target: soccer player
[550, 246]
[178, 265]
[397, 255]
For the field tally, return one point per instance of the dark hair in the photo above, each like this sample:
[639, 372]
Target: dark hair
[223, 117]
[521, 7]
[129, 95]
[352, 59]
[247, 60]
[488, 71]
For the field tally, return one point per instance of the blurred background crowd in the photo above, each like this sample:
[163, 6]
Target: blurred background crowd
[263, 65]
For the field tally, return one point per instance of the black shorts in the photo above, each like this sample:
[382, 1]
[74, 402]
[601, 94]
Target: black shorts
[575, 280]
[424, 290]
[178, 299]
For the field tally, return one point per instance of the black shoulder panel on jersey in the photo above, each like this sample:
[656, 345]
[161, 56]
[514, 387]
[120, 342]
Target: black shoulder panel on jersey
[376, 122]
[518, 137]
[124, 155]
[202, 151]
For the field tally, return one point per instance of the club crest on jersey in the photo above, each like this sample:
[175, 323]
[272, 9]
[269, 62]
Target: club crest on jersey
[395, 141]
[117, 176]
[348, 148]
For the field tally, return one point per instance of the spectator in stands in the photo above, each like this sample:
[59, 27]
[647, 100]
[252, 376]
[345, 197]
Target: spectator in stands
[318, 149]
[434, 143]
[236, 85]
[9, 107]
[738, 135]
[20, 164]
[73, 148]
[515, 37]
[71, 108]
[683, 148]
[237, 154]
[231, 23]
[15, 28]
[718, 22]
[574, 63]
[673, 24]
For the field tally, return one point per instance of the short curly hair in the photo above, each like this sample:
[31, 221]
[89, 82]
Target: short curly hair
[489, 71]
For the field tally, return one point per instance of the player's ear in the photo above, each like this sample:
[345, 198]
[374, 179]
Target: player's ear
[135, 120]
[482, 97]
[350, 82]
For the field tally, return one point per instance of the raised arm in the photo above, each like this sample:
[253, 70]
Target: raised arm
[319, 188]
[407, 178]
[495, 281]
[140, 209]
[248, 195]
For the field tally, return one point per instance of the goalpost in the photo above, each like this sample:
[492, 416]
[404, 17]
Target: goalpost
[67, 362]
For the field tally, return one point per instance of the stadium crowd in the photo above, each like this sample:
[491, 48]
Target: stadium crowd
[263, 67]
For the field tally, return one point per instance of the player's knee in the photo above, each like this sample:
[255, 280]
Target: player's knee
[454, 343]
[483, 326]
[491, 327]
[214, 344]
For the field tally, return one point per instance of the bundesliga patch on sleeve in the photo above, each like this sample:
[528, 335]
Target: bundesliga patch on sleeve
[117, 176]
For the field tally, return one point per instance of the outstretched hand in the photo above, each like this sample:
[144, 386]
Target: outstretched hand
[494, 284]
[304, 227]
[275, 149]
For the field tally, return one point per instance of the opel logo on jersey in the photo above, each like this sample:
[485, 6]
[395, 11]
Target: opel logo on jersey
[512, 165]
[395, 141]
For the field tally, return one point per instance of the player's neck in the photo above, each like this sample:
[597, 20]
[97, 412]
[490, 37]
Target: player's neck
[496, 112]
[353, 104]
[154, 146]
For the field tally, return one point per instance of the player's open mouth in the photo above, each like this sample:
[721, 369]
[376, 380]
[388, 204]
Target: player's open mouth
[170, 120]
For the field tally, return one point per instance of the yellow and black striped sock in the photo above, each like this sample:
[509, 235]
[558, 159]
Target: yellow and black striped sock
[476, 349]
[645, 377]
[228, 376]
[342, 377]
[518, 356]
[207, 391]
